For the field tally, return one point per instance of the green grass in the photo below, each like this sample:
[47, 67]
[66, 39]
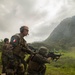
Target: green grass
[0, 57]
[0, 62]
[64, 66]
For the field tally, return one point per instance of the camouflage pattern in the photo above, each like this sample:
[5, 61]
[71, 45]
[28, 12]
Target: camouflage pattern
[20, 48]
[6, 55]
[18, 43]
[36, 65]
[7, 50]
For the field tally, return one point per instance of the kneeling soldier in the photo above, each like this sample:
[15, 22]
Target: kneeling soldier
[36, 65]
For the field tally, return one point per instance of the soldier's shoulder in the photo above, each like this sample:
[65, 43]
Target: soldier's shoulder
[14, 39]
[17, 36]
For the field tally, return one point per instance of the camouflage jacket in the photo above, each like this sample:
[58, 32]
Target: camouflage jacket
[7, 46]
[7, 50]
[20, 47]
[37, 63]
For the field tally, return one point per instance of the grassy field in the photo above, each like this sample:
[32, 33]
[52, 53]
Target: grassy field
[64, 66]
[0, 63]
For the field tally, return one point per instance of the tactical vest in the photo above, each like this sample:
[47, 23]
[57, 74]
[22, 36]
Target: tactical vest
[33, 66]
[18, 50]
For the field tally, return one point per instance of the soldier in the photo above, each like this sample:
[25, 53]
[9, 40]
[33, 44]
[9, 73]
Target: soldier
[6, 53]
[36, 65]
[20, 48]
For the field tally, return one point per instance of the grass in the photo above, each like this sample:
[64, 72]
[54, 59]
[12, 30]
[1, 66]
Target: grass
[0, 63]
[64, 66]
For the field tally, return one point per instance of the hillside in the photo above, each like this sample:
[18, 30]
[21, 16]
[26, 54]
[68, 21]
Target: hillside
[63, 35]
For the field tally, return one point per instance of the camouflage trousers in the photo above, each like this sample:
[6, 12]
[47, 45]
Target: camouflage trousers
[41, 71]
[35, 74]
[4, 63]
[8, 66]
[14, 66]
[21, 66]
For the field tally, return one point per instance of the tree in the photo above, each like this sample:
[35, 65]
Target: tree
[1, 43]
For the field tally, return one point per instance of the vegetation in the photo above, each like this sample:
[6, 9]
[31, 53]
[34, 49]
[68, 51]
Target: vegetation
[1, 43]
[0, 58]
[64, 66]
[63, 36]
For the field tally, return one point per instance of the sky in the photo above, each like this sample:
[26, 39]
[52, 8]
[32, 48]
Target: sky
[41, 16]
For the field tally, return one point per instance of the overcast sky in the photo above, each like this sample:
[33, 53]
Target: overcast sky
[41, 16]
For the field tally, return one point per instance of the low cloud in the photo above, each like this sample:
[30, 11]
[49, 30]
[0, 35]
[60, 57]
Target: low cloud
[42, 16]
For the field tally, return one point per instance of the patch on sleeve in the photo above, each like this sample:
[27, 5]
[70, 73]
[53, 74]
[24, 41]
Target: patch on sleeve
[14, 40]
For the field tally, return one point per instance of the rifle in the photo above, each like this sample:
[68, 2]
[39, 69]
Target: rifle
[53, 56]
[32, 48]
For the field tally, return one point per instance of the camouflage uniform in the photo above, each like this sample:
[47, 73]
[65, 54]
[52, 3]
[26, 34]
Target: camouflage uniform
[20, 48]
[6, 55]
[36, 65]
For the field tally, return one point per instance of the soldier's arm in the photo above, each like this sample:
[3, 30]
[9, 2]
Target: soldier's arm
[46, 60]
[41, 59]
[14, 41]
[28, 50]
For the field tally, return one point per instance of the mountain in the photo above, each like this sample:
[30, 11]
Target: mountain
[63, 36]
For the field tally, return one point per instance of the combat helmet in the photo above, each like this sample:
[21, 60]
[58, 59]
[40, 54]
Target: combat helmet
[43, 51]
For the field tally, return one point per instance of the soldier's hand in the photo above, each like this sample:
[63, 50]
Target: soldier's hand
[49, 59]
